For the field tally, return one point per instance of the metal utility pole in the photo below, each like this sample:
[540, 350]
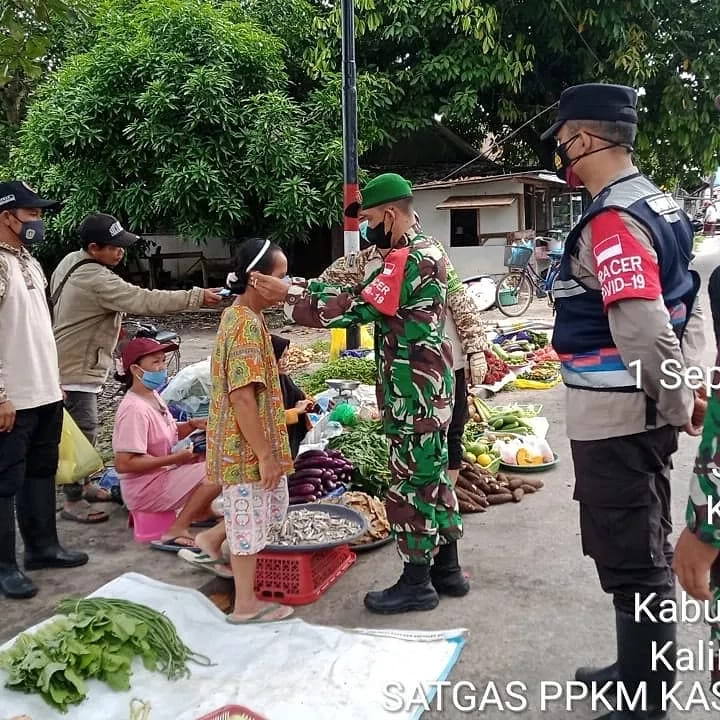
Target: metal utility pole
[349, 101]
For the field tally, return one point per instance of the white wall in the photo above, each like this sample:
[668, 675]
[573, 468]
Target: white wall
[488, 258]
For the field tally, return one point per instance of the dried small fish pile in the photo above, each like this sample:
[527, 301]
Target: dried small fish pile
[311, 527]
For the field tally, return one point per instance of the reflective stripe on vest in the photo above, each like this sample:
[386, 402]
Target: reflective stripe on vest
[597, 370]
[566, 288]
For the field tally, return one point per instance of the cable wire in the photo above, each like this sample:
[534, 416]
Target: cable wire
[579, 34]
[500, 142]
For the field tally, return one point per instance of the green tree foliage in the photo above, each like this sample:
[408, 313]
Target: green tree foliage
[34, 36]
[179, 117]
[489, 67]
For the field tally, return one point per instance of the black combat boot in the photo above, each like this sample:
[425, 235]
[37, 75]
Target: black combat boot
[446, 576]
[599, 676]
[37, 523]
[635, 652]
[13, 583]
[413, 591]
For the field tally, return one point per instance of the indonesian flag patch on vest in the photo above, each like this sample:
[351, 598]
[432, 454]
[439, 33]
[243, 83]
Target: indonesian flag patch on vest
[383, 293]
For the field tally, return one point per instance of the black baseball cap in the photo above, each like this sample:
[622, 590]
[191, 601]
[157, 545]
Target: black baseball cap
[105, 230]
[595, 101]
[17, 194]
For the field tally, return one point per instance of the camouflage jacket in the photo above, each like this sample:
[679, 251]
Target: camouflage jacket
[355, 269]
[415, 378]
[705, 482]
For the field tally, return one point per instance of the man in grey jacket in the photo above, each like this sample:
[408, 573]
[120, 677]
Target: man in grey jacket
[89, 301]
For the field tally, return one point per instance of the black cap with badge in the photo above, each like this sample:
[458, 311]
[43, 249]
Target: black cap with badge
[595, 101]
[105, 230]
[16, 195]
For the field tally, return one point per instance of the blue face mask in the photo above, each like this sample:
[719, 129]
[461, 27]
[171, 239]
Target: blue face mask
[154, 380]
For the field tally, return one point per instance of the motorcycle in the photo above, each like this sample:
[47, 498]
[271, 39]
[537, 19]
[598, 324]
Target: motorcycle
[132, 329]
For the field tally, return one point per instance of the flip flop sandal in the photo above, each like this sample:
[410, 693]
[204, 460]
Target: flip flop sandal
[198, 558]
[216, 567]
[85, 517]
[173, 545]
[261, 617]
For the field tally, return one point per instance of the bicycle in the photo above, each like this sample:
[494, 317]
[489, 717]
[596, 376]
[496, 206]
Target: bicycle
[516, 290]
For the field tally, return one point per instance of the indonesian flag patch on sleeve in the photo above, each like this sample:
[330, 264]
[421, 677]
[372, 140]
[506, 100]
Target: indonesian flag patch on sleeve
[625, 267]
[383, 292]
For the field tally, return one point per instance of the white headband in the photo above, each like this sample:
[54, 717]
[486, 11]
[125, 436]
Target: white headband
[263, 250]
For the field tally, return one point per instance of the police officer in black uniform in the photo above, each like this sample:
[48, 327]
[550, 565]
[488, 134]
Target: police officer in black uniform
[626, 302]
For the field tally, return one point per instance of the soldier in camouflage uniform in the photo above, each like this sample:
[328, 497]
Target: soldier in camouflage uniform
[414, 389]
[463, 328]
[697, 555]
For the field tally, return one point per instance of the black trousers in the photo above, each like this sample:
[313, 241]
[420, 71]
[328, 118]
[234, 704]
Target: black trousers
[457, 423]
[30, 449]
[623, 487]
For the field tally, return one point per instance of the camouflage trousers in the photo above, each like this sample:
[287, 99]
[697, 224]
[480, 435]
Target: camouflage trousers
[715, 629]
[421, 504]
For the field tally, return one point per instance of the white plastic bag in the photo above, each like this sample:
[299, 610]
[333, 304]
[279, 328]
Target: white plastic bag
[191, 386]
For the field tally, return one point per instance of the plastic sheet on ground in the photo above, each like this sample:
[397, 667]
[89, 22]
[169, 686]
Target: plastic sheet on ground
[279, 670]
[498, 386]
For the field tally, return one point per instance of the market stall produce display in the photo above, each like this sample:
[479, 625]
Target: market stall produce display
[365, 447]
[296, 357]
[546, 372]
[497, 369]
[316, 527]
[374, 512]
[477, 489]
[507, 420]
[94, 638]
[524, 451]
[346, 368]
[317, 473]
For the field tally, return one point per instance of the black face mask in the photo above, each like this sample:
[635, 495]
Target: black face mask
[564, 164]
[378, 237]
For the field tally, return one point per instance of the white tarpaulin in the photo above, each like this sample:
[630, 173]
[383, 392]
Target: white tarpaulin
[280, 670]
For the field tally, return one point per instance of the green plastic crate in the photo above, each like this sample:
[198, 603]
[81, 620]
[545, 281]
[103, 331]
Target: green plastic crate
[507, 297]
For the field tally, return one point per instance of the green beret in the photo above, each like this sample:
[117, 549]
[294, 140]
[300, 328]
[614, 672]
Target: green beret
[385, 189]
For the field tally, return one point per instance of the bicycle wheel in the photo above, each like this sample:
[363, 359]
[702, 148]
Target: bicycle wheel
[514, 294]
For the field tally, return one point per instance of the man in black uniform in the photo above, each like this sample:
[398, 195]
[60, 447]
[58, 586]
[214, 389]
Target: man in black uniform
[626, 302]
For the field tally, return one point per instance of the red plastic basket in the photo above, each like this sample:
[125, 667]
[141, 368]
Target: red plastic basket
[224, 713]
[300, 578]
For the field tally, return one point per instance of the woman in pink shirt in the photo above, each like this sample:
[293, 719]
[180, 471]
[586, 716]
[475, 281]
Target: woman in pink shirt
[152, 477]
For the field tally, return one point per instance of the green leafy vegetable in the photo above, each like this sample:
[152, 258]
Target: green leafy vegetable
[366, 447]
[347, 368]
[96, 638]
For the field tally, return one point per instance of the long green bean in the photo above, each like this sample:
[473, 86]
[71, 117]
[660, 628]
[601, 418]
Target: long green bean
[172, 653]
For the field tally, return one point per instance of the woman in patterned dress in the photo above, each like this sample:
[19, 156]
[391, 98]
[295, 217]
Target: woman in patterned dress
[248, 451]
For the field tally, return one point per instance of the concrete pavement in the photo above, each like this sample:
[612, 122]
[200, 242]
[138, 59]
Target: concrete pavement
[536, 610]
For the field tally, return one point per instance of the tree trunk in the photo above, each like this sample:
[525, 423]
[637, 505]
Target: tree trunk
[12, 96]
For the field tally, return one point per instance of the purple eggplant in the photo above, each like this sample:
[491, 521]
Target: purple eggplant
[304, 489]
[302, 499]
[311, 454]
[309, 473]
[292, 488]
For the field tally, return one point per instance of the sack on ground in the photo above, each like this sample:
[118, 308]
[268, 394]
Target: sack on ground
[78, 458]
